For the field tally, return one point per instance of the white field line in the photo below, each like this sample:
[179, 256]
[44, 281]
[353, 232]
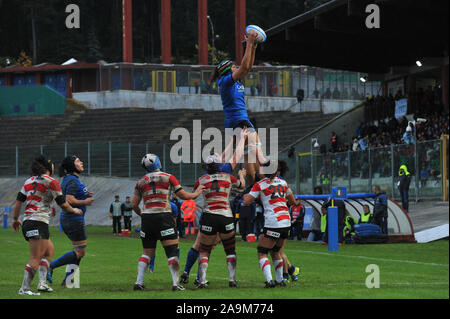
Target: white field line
[362, 257]
[367, 257]
[300, 282]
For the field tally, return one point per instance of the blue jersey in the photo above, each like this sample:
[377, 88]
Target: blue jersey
[71, 185]
[233, 101]
[227, 168]
[174, 209]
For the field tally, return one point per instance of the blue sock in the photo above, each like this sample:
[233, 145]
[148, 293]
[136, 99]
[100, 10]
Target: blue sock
[68, 258]
[152, 263]
[291, 269]
[191, 259]
[286, 275]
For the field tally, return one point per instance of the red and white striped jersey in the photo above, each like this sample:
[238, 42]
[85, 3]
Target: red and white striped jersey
[273, 197]
[39, 193]
[217, 192]
[156, 189]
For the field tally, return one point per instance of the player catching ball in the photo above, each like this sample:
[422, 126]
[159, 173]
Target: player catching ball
[156, 188]
[38, 192]
[275, 194]
[229, 78]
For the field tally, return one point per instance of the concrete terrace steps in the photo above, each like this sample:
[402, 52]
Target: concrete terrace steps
[139, 125]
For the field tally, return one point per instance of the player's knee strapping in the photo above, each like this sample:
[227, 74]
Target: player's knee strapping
[204, 248]
[171, 251]
[229, 245]
[79, 246]
[262, 250]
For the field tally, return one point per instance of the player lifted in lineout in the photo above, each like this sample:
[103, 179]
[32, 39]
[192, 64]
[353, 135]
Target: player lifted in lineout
[230, 81]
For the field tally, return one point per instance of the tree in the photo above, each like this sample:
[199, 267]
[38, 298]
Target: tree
[24, 59]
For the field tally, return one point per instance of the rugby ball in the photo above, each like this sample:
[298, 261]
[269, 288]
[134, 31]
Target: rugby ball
[260, 34]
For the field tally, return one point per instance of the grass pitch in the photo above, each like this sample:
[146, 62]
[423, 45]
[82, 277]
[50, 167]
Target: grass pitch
[109, 270]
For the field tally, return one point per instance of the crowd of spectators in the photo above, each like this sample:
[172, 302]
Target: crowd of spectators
[379, 134]
[382, 129]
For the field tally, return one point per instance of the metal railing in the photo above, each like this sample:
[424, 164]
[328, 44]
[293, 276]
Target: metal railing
[359, 171]
[99, 158]
[276, 81]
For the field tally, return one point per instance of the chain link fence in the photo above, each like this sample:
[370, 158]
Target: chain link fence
[359, 171]
[99, 158]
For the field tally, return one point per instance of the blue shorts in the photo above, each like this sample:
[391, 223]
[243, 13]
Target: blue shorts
[75, 229]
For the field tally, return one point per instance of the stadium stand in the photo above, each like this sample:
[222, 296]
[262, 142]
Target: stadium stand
[140, 125]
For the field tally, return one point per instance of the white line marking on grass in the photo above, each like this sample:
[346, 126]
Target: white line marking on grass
[301, 283]
[367, 257]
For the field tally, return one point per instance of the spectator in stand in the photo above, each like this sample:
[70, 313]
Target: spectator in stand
[334, 142]
[318, 190]
[424, 175]
[363, 143]
[403, 186]
[259, 88]
[355, 145]
[336, 94]
[327, 94]
[408, 136]
[345, 94]
[316, 93]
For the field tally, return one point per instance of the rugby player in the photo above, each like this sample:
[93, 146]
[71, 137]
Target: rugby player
[38, 192]
[229, 79]
[228, 167]
[73, 225]
[275, 194]
[217, 216]
[156, 188]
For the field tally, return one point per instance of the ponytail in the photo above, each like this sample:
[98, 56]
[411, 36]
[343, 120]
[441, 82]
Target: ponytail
[37, 169]
[214, 76]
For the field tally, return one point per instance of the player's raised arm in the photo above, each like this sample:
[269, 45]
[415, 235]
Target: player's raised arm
[242, 174]
[248, 59]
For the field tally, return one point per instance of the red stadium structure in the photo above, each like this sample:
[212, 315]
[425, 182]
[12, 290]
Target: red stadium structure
[166, 39]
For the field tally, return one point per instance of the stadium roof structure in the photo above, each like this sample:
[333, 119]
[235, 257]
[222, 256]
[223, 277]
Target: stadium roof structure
[48, 67]
[334, 35]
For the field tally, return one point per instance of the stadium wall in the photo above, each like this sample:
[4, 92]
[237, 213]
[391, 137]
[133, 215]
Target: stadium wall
[104, 189]
[207, 102]
[30, 100]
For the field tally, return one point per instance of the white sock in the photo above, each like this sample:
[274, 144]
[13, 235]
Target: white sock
[42, 269]
[174, 267]
[143, 263]
[278, 264]
[231, 263]
[203, 267]
[28, 277]
[264, 263]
